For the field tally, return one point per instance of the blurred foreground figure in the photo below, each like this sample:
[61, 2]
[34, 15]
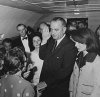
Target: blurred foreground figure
[12, 84]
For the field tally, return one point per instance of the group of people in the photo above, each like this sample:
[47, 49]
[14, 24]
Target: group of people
[62, 65]
[73, 25]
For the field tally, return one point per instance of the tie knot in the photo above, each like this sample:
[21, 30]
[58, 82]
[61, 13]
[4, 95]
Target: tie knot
[24, 38]
[55, 42]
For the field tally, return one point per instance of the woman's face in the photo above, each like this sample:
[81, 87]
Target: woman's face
[98, 33]
[36, 41]
[80, 46]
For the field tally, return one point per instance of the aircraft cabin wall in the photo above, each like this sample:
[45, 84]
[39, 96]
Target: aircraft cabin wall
[93, 18]
[10, 17]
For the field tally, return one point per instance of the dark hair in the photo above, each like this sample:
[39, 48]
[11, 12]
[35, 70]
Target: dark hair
[86, 36]
[60, 19]
[7, 40]
[96, 32]
[39, 35]
[21, 25]
[15, 60]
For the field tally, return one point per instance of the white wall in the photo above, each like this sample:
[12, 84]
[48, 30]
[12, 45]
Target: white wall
[10, 17]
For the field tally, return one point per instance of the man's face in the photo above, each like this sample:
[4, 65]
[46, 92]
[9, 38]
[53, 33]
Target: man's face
[7, 46]
[57, 29]
[22, 30]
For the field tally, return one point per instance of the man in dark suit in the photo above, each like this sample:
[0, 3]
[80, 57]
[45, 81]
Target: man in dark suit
[24, 40]
[58, 62]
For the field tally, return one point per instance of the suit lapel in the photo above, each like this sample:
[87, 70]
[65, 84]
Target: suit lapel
[61, 44]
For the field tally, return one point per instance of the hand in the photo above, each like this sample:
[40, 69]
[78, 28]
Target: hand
[30, 66]
[41, 85]
[46, 34]
[26, 74]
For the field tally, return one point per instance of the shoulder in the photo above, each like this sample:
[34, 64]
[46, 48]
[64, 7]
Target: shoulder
[97, 59]
[16, 37]
[69, 42]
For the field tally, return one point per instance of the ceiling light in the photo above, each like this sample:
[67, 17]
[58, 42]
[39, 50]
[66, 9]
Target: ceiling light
[13, 0]
[76, 13]
[76, 10]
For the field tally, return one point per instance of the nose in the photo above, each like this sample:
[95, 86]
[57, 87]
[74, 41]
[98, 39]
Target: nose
[36, 42]
[76, 44]
[52, 31]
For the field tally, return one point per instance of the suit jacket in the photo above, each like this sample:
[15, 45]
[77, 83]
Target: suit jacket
[17, 40]
[57, 67]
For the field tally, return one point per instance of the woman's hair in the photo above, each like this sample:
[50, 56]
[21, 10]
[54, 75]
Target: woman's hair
[86, 36]
[7, 40]
[96, 32]
[39, 35]
[15, 60]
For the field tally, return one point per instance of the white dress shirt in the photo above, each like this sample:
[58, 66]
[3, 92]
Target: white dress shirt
[59, 40]
[25, 44]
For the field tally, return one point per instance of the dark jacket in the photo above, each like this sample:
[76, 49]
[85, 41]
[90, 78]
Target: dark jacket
[17, 40]
[57, 67]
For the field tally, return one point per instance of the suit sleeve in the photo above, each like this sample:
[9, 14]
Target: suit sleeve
[44, 49]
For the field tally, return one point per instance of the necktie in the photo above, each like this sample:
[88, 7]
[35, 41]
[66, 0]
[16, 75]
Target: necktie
[54, 47]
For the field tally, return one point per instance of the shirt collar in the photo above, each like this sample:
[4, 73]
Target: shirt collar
[23, 37]
[59, 40]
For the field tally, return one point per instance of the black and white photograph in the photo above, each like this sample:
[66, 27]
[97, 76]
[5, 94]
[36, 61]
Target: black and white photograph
[49, 48]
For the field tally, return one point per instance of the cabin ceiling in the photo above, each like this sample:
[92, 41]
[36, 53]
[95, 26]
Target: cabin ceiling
[54, 6]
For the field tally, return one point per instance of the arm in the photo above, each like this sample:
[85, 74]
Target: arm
[44, 48]
[96, 90]
[42, 51]
[71, 86]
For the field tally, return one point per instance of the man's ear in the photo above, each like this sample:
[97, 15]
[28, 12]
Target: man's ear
[64, 29]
